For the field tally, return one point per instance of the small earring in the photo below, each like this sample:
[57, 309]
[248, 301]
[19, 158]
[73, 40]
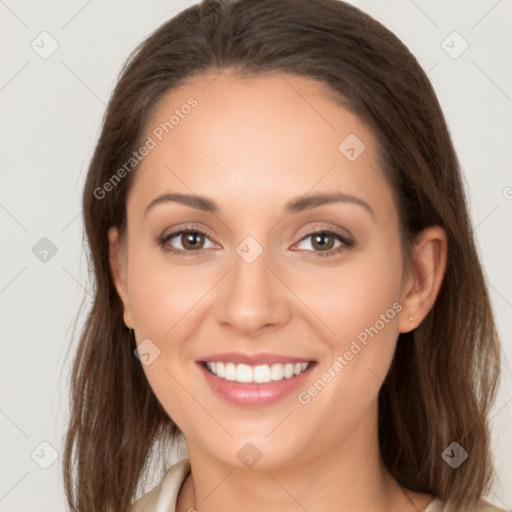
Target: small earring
[411, 318]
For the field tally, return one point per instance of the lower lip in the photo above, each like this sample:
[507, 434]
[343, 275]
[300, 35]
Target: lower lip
[253, 394]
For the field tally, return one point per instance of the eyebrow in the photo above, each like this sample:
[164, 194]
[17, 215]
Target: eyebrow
[295, 205]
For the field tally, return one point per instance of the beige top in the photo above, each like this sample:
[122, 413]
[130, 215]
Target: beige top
[164, 496]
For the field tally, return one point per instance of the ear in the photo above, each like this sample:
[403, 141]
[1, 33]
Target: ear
[118, 268]
[424, 280]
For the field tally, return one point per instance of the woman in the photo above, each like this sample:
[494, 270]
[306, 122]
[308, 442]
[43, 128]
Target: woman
[285, 276]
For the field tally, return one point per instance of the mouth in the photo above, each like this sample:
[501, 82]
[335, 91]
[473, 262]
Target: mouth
[255, 380]
[260, 374]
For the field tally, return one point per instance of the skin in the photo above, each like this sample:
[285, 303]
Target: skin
[251, 145]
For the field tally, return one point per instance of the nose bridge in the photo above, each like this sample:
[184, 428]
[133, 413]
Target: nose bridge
[252, 297]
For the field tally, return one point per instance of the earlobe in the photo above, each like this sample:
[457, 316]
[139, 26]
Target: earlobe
[420, 290]
[117, 262]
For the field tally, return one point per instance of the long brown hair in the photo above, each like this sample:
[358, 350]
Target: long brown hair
[444, 375]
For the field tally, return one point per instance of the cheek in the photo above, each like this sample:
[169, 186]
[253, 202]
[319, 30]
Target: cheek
[359, 302]
[162, 294]
[361, 292]
[166, 300]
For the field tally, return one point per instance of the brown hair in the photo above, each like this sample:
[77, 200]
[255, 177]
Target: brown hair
[443, 378]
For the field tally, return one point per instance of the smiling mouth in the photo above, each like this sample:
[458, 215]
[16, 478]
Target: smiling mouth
[259, 374]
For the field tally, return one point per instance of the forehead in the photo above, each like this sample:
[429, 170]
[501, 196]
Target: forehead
[265, 138]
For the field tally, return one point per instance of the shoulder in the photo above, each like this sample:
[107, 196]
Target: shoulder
[147, 503]
[166, 492]
[483, 506]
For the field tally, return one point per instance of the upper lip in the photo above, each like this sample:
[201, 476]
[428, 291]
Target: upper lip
[252, 359]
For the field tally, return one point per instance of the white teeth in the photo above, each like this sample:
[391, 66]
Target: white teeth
[230, 371]
[288, 370]
[260, 374]
[243, 373]
[218, 369]
[277, 372]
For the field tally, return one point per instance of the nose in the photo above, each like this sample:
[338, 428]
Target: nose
[252, 297]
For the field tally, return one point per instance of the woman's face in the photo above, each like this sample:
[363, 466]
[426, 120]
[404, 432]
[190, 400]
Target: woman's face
[252, 283]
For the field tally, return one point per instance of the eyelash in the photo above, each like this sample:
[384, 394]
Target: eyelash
[162, 241]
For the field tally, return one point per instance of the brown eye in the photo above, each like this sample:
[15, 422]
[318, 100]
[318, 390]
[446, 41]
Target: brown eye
[183, 241]
[192, 240]
[323, 243]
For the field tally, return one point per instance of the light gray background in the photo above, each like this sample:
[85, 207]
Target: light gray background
[51, 110]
